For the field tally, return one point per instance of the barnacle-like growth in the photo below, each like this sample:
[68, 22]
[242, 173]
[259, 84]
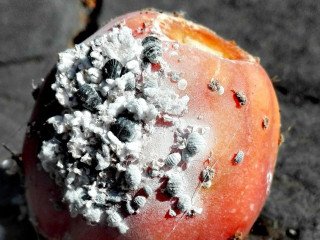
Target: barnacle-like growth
[110, 110]
[136, 131]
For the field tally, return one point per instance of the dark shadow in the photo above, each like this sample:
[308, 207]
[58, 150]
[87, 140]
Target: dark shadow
[92, 25]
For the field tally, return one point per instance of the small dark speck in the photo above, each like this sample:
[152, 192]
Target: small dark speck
[239, 157]
[265, 122]
[241, 97]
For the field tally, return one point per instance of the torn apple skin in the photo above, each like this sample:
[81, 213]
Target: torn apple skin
[238, 191]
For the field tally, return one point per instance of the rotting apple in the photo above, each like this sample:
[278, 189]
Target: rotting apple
[245, 122]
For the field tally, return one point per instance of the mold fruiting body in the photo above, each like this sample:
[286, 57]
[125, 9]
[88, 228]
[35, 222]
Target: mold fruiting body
[239, 157]
[184, 203]
[173, 159]
[207, 174]
[215, 86]
[195, 143]
[88, 97]
[175, 185]
[124, 129]
[265, 122]
[113, 69]
[135, 127]
[152, 49]
[139, 201]
[241, 97]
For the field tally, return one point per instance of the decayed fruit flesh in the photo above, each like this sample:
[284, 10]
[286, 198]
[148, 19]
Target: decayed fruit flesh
[238, 191]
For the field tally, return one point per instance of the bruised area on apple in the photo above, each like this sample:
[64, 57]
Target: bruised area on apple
[238, 191]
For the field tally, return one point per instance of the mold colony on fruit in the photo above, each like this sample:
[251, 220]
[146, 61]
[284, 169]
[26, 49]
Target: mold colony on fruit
[115, 104]
[215, 86]
[241, 97]
[239, 157]
[206, 176]
[132, 136]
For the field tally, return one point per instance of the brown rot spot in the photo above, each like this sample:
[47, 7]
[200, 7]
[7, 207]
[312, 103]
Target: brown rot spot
[265, 122]
[241, 98]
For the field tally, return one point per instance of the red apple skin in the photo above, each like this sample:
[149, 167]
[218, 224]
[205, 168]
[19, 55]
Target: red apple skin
[238, 192]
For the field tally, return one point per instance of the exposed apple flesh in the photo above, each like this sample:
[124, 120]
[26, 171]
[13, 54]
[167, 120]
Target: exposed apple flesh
[238, 191]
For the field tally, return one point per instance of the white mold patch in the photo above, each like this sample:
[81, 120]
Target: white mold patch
[182, 84]
[122, 129]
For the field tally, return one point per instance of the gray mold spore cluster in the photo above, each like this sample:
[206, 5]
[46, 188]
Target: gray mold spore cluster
[110, 94]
